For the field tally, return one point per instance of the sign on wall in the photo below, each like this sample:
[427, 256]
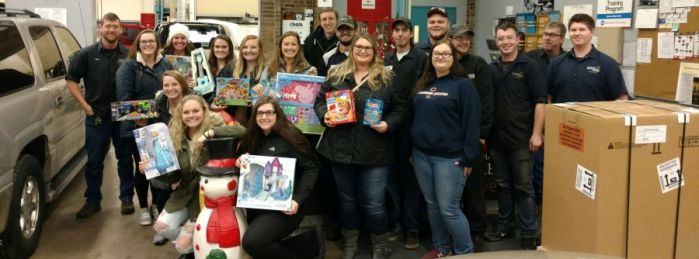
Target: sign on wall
[614, 13]
[302, 27]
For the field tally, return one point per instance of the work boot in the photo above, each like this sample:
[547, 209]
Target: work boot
[349, 243]
[379, 244]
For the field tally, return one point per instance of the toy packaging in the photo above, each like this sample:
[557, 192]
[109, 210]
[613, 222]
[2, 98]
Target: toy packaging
[266, 182]
[182, 64]
[297, 95]
[201, 72]
[341, 104]
[155, 145]
[373, 111]
[134, 110]
[232, 91]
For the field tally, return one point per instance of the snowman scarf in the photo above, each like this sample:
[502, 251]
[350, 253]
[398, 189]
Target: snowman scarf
[222, 228]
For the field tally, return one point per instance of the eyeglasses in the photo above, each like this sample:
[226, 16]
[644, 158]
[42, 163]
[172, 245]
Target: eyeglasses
[441, 54]
[267, 113]
[551, 35]
[461, 39]
[147, 42]
[359, 48]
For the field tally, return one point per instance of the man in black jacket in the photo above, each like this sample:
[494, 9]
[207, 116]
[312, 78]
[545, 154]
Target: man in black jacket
[478, 71]
[322, 40]
[407, 62]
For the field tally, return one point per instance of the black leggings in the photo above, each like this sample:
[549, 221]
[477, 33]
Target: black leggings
[262, 238]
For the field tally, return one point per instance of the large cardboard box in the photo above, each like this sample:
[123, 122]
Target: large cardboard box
[604, 162]
[687, 244]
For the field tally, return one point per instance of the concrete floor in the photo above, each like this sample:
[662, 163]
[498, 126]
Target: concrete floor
[108, 234]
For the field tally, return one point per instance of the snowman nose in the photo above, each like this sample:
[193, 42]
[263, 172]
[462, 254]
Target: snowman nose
[232, 185]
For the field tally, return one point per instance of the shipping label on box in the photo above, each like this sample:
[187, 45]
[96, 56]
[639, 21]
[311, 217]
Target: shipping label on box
[669, 175]
[586, 181]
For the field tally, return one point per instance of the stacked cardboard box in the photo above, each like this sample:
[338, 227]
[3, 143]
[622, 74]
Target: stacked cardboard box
[612, 179]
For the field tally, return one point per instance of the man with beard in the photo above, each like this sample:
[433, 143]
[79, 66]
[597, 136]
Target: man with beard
[345, 34]
[97, 65]
[406, 62]
[437, 26]
[321, 40]
[478, 71]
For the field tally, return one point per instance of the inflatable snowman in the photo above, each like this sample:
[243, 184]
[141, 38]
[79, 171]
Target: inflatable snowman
[220, 225]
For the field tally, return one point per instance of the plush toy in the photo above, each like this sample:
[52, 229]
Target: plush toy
[220, 225]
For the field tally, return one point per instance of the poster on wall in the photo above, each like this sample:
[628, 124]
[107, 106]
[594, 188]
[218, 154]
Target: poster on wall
[570, 10]
[302, 27]
[538, 6]
[614, 13]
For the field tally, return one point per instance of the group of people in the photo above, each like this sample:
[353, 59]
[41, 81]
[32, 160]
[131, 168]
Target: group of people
[443, 109]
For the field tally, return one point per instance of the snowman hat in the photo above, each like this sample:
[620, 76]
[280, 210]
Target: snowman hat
[221, 157]
[177, 28]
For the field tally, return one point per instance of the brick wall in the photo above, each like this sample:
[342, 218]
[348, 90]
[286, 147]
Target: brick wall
[271, 15]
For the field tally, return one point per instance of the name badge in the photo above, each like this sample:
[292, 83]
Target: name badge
[471, 76]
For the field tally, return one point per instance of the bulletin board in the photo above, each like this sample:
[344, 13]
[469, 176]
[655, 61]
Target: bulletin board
[659, 78]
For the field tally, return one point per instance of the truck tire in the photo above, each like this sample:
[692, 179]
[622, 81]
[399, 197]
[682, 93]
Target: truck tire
[25, 221]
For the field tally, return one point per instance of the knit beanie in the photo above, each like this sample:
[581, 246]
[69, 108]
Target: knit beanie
[178, 28]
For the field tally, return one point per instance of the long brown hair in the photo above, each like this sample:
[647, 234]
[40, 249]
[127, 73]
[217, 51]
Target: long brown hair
[430, 74]
[299, 62]
[136, 47]
[282, 127]
[241, 65]
[213, 61]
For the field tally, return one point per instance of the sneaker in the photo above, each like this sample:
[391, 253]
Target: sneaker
[412, 240]
[395, 235]
[159, 240]
[127, 207]
[88, 210]
[494, 237]
[145, 218]
[154, 212]
[434, 254]
[528, 243]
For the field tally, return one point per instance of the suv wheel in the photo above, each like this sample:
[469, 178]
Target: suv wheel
[26, 210]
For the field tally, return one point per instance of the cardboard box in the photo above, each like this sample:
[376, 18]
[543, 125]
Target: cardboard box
[602, 188]
[687, 245]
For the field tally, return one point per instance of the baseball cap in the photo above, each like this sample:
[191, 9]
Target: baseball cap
[403, 20]
[437, 10]
[457, 30]
[346, 21]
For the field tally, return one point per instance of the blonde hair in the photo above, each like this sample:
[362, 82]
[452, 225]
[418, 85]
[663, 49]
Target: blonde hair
[378, 74]
[241, 65]
[299, 62]
[179, 131]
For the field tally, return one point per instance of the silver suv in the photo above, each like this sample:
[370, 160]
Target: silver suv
[42, 135]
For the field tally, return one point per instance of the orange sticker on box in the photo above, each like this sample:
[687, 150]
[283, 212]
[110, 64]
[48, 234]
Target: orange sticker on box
[571, 136]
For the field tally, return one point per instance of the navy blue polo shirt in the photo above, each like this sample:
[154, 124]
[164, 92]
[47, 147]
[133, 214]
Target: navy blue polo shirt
[425, 46]
[595, 77]
[542, 59]
[517, 89]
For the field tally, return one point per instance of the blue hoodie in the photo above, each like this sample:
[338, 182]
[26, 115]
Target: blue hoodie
[447, 119]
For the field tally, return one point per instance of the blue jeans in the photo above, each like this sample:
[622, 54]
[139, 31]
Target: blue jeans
[513, 174]
[442, 181]
[97, 138]
[362, 187]
[405, 195]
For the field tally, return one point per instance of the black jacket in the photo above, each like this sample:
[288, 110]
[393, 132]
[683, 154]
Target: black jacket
[356, 143]
[315, 46]
[478, 71]
[307, 165]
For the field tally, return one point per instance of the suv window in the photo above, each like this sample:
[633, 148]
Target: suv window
[15, 67]
[67, 42]
[51, 60]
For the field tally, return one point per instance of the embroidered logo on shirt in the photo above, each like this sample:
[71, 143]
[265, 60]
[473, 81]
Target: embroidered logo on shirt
[271, 149]
[389, 67]
[471, 76]
[518, 75]
[432, 92]
[593, 70]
